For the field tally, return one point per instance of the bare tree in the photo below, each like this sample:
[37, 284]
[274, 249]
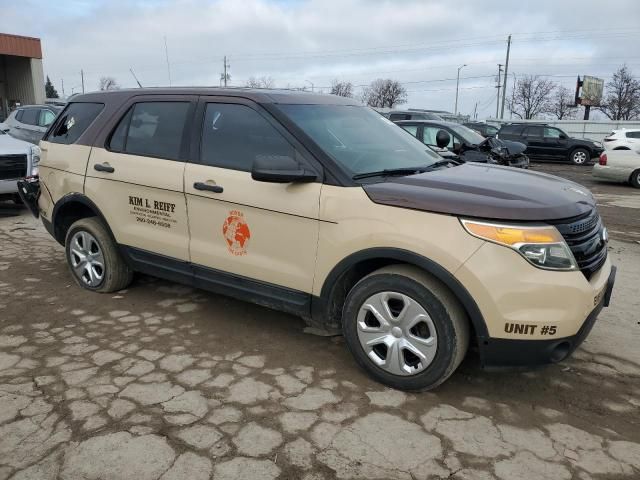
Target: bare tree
[562, 105]
[261, 82]
[532, 96]
[384, 93]
[342, 89]
[108, 83]
[622, 97]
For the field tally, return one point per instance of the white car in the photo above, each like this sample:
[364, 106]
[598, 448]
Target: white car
[618, 166]
[623, 139]
[18, 159]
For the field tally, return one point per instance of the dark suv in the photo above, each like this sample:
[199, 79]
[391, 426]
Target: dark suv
[550, 143]
[483, 129]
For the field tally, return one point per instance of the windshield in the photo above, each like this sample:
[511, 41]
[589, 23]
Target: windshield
[359, 139]
[468, 135]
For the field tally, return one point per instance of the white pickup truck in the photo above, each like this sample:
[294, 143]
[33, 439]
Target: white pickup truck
[18, 159]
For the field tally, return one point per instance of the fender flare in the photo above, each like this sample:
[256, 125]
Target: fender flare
[405, 256]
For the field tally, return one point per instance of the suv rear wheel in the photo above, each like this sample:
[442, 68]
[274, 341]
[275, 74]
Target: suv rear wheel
[93, 258]
[580, 156]
[405, 328]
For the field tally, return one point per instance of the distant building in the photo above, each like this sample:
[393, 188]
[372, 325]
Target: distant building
[21, 74]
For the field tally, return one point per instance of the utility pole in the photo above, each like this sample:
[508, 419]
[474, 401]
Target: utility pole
[455, 110]
[312, 85]
[475, 112]
[506, 72]
[166, 54]
[62, 81]
[498, 87]
[82, 76]
[513, 95]
[225, 76]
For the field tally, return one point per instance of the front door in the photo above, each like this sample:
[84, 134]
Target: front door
[136, 179]
[555, 143]
[242, 229]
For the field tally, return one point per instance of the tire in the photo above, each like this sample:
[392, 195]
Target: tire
[84, 238]
[580, 156]
[634, 179]
[444, 317]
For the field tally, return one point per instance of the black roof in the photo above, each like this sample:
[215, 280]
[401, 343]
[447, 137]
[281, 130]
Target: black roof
[258, 95]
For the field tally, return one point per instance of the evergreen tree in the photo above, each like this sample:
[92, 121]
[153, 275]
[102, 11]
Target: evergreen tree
[50, 90]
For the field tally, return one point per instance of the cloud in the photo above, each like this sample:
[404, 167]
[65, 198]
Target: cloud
[299, 42]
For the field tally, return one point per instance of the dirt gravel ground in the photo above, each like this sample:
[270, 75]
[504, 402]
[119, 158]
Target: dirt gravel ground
[161, 381]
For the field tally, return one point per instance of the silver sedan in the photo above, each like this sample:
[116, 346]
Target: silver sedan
[619, 166]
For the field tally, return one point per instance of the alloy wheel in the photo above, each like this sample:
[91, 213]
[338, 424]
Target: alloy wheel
[579, 157]
[87, 259]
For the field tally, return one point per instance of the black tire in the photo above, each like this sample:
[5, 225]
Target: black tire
[634, 179]
[580, 156]
[117, 274]
[450, 321]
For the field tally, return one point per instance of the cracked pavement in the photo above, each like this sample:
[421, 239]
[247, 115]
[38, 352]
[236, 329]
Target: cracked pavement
[167, 382]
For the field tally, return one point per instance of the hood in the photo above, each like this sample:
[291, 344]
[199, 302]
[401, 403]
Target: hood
[13, 146]
[514, 148]
[485, 191]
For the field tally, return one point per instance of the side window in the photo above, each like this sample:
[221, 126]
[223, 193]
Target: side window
[429, 136]
[533, 132]
[633, 134]
[153, 129]
[233, 135]
[551, 132]
[412, 129]
[73, 121]
[30, 116]
[46, 118]
[19, 113]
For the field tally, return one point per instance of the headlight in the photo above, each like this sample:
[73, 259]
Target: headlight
[541, 245]
[35, 159]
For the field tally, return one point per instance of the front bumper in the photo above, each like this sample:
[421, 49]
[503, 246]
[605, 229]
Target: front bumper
[501, 352]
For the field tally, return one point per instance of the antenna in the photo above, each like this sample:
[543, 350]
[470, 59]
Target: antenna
[134, 76]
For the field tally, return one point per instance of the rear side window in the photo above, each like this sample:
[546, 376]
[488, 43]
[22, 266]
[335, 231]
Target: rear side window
[18, 115]
[510, 130]
[533, 132]
[234, 135]
[633, 134]
[152, 129]
[73, 121]
[30, 116]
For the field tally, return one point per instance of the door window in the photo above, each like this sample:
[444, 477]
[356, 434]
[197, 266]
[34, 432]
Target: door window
[429, 136]
[552, 133]
[535, 132]
[46, 117]
[412, 129]
[153, 129]
[234, 135]
[633, 134]
[73, 121]
[30, 116]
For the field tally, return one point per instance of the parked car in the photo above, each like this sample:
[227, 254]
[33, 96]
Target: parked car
[618, 166]
[482, 128]
[397, 115]
[462, 143]
[550, 143]
[318, 206]
[30, 122]
[623, 139]
[18, 159]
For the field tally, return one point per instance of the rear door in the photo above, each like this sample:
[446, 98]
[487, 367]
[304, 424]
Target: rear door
[534, 140]
[263, 233]
[136, 178]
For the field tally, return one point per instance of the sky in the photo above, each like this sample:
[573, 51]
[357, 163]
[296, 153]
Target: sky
[305, 43]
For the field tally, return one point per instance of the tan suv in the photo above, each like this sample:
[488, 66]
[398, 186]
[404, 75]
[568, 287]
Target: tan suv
[318, 206]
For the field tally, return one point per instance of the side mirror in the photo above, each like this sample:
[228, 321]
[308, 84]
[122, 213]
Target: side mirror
[442, 138]
[4, 127]
[279, 169]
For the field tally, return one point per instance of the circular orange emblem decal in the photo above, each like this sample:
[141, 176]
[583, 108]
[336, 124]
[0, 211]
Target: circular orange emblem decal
[236, 233]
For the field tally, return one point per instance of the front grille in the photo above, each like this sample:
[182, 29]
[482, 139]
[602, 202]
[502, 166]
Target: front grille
[13, 167]
[584, 236]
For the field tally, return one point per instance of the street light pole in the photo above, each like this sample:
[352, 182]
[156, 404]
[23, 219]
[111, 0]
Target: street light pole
[455, 110]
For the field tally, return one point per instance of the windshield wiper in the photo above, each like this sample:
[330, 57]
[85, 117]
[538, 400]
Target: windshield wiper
[442, 163]
[392, 171]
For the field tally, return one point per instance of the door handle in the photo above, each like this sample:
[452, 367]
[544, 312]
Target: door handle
[101, 167]
[207, 187]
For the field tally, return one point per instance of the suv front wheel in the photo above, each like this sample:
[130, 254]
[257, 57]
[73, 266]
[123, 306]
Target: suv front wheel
[405, 328]
[93, 257]
[580, 156]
